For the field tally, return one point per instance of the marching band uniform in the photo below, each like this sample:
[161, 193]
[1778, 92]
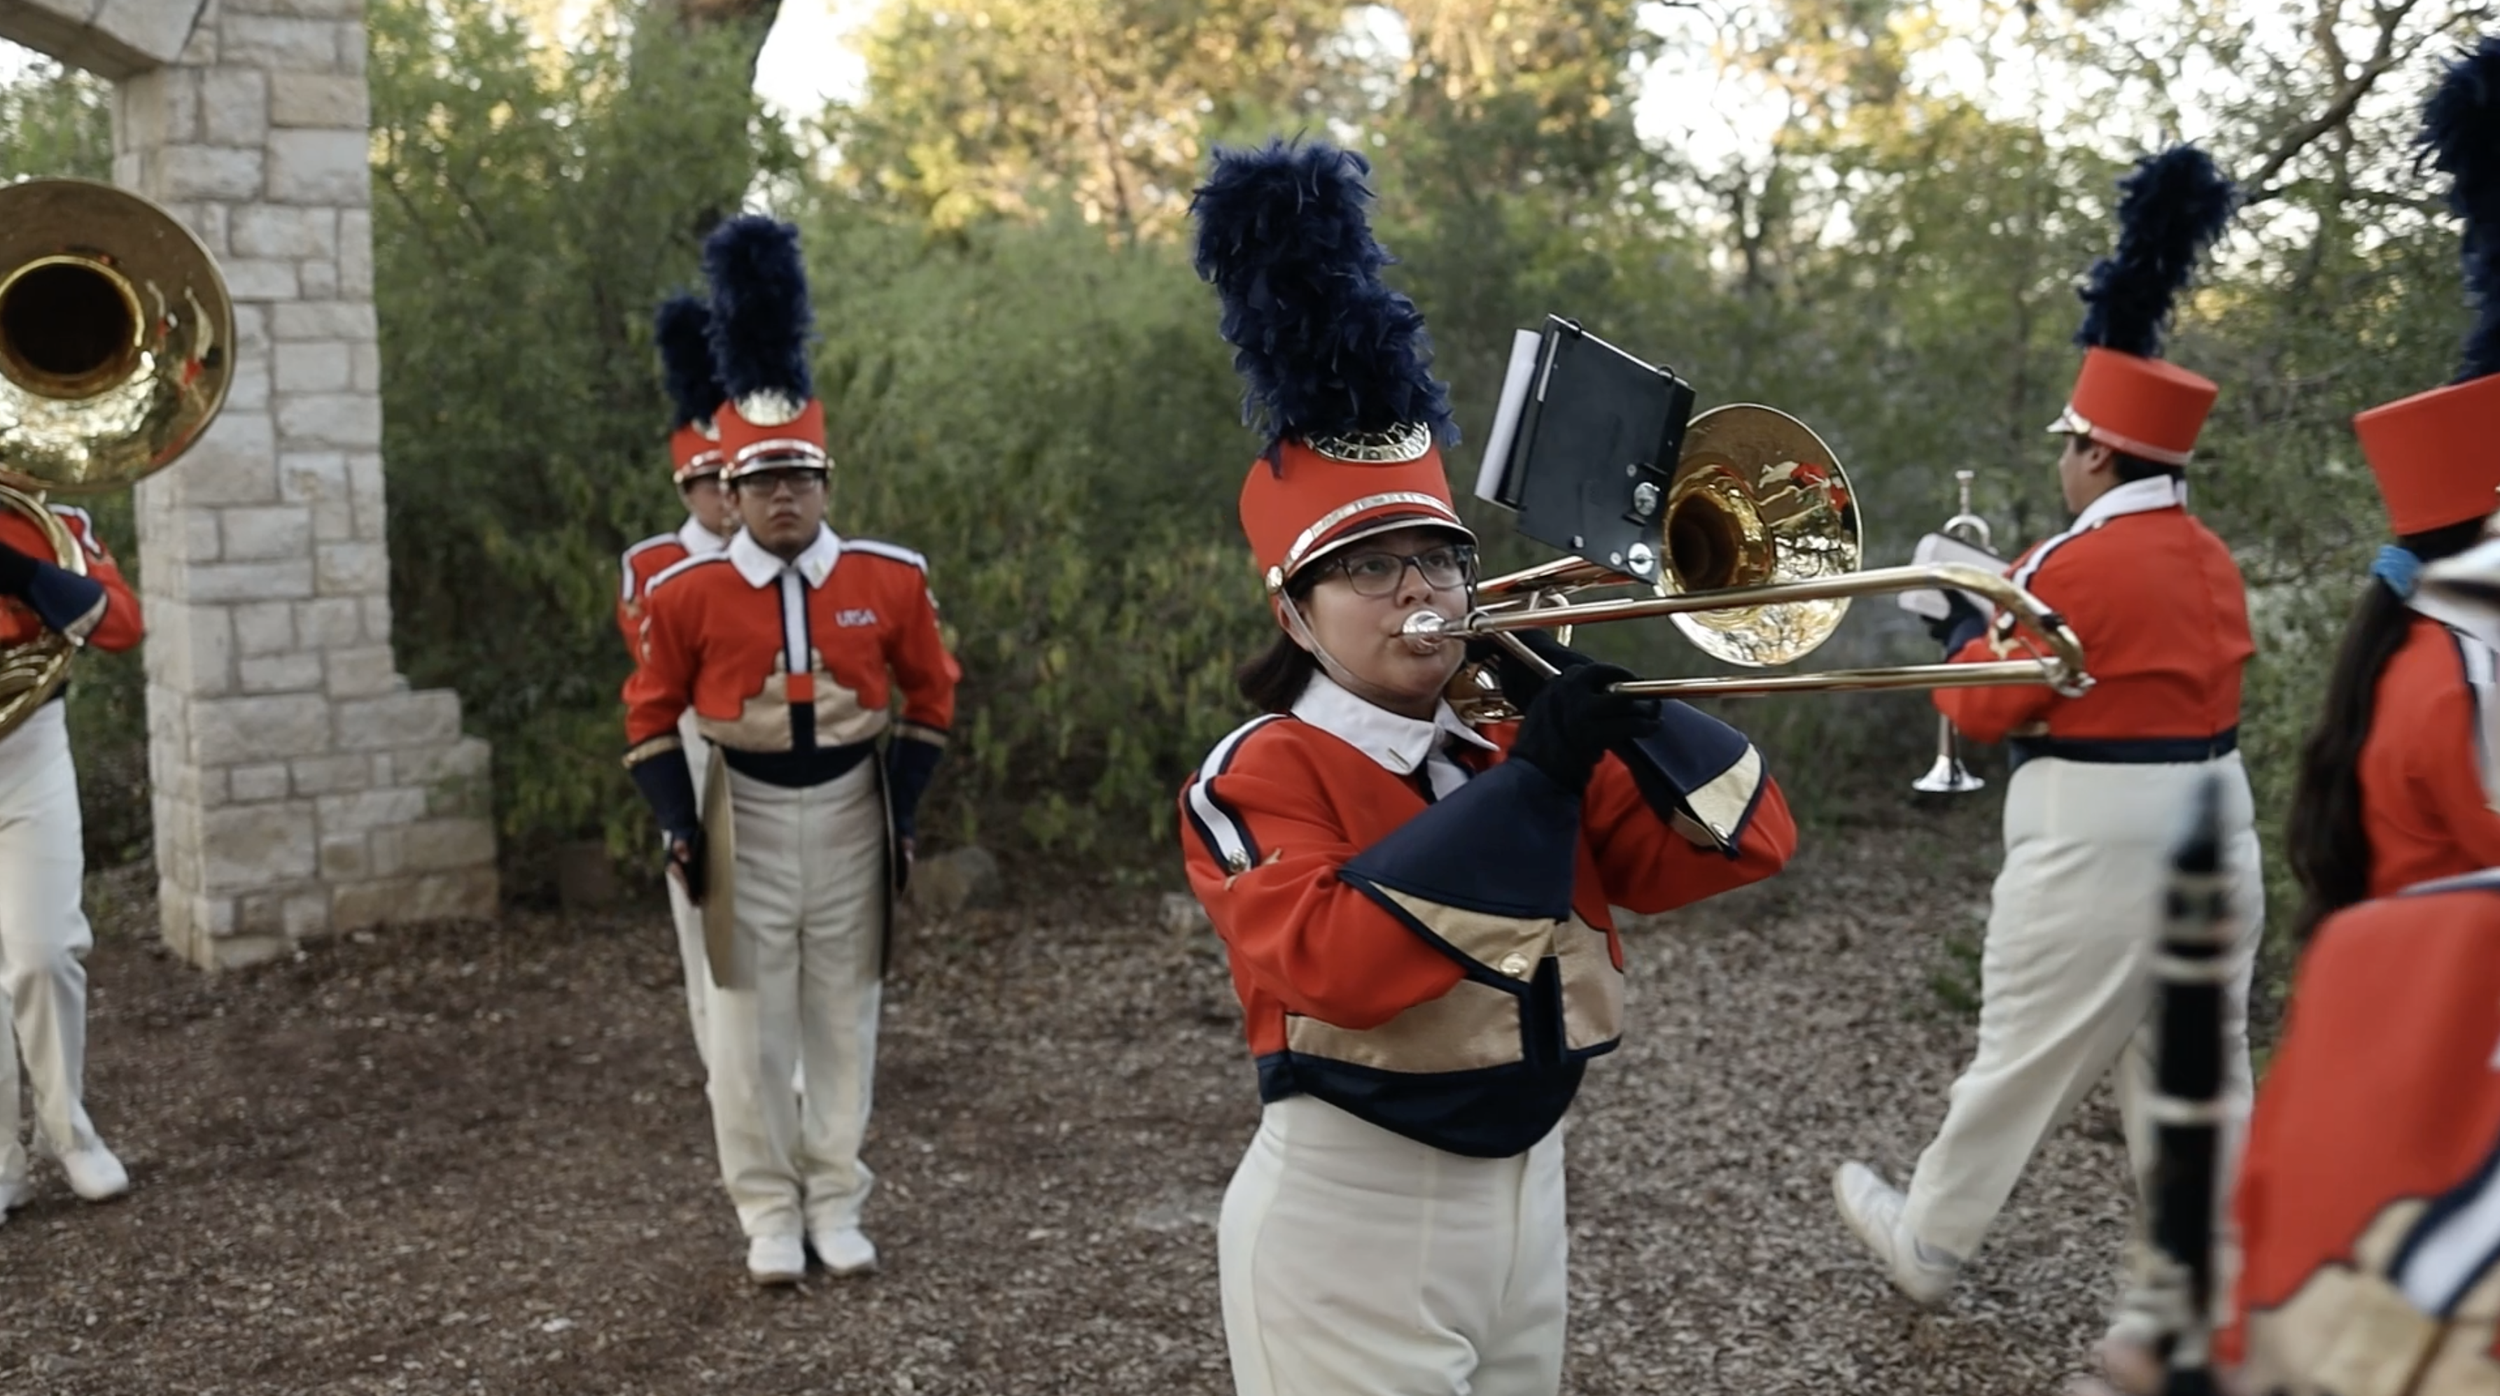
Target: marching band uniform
[2368, 1211]
[1416, 922]
[694, 450]
[788, 668]
[2369, 1198]
[2428, 768]
[2158, 605]
[44, 934]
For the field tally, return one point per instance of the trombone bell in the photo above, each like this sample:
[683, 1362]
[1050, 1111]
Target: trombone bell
[1757, 500]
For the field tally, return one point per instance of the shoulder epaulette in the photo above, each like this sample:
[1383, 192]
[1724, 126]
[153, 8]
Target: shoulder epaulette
[690, 562]
[894, 551]
[1219, 826]
[86, 527]
[625, 563]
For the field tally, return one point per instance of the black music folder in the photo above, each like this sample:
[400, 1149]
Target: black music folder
[1584, 446]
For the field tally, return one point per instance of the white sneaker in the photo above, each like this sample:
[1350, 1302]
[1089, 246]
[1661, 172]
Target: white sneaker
[94, 1173]
[777, 1260]
[1872, 1207]
[845, 1250]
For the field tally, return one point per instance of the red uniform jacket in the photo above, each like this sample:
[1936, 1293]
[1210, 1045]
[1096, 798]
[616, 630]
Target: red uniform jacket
[96, 609]
[2366, 1200]
[2427, 782]
[790, 669]
[761, 651]
[2158, 604]
[648, 559]
[1444, 969]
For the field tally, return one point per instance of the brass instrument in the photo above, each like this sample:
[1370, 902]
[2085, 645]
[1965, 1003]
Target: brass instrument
[1948, 776]
[116, 349]
[1758, 546]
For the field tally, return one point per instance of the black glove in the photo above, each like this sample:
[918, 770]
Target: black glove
[17, 571]
[1576, 720]
[1521, 682]
[1960, 622]
[685, 858]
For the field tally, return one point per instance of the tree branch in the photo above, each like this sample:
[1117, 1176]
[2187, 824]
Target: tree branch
[2338, 113]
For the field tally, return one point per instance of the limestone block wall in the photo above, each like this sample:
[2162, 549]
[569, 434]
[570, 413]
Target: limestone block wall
[300, 786]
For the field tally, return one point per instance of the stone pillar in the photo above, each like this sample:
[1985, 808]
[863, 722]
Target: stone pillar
[300, 787]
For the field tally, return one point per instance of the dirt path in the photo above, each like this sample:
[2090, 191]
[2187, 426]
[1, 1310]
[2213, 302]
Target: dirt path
[476, 1158]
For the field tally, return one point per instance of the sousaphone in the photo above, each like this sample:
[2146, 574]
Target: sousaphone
[116, 349]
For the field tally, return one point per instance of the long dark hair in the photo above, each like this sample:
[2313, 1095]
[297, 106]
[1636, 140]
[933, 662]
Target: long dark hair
[2330, 842]
[1275, 679]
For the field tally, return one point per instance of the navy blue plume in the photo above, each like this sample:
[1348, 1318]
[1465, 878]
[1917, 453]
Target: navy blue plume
[683, 330]
[2461, 138]
[759, 307]
[2169, 211]
[1323, 343]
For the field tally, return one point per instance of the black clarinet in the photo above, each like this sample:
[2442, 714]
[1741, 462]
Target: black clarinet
[2192, 969]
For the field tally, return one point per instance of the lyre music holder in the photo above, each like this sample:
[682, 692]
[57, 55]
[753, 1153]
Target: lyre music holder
[1584, 446]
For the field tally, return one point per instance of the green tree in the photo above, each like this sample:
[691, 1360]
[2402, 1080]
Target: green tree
[530, 210]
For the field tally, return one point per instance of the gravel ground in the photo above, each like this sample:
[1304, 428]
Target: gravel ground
[476, 1158]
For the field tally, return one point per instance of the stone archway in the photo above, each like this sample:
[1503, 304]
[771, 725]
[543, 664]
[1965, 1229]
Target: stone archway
[300, 786]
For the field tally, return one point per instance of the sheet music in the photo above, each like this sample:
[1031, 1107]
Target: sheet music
[1525, 345]
[1936, 547]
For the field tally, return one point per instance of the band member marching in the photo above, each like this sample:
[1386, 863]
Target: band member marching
[2159, 606]
[1415, 910]
[789, 647]
[2400, 779]
[44, 936]
[2366, 1202]
[683, 332]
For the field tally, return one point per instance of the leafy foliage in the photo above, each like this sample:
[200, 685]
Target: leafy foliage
[1024, 379]
[533, 203]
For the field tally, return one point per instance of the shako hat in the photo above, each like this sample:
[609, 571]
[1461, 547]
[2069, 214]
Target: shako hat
[682, 329]
[2437, 454]
[1335, 362]
[760, 319]
[2126, 397]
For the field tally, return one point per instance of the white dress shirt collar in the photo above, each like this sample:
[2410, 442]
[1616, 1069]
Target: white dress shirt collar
[760, 566]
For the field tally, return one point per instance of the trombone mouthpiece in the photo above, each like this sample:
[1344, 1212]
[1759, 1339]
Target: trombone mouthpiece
[1425, 625]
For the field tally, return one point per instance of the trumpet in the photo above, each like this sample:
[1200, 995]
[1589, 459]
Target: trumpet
[1948, 776]
[1756, 560]
[116, 349]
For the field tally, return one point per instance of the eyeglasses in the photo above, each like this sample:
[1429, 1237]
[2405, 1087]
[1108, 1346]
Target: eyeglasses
[1377, 573]
[769, 482]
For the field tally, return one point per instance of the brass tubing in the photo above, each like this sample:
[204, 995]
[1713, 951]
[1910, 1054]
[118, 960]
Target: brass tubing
[2062, 669]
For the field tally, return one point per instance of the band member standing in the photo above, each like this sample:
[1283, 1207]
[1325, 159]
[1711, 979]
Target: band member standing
[2158, 604]
[683, 332]
[2400, 779]
[1414, 910]
[788, 647]
[44, 936]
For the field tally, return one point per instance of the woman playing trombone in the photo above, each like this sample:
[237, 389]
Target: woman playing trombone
[1415, 910]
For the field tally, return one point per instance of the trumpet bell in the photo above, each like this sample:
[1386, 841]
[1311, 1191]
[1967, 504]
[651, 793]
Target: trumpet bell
[1757, 500]
[116, 337]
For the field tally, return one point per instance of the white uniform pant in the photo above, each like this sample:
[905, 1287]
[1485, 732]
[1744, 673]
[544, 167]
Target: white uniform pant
[687, 916]
[811, 901]
[1354, 1260]
[43, 937]
[2066, 988]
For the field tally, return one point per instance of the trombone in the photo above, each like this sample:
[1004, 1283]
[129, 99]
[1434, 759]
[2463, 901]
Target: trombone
[1756, 555]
